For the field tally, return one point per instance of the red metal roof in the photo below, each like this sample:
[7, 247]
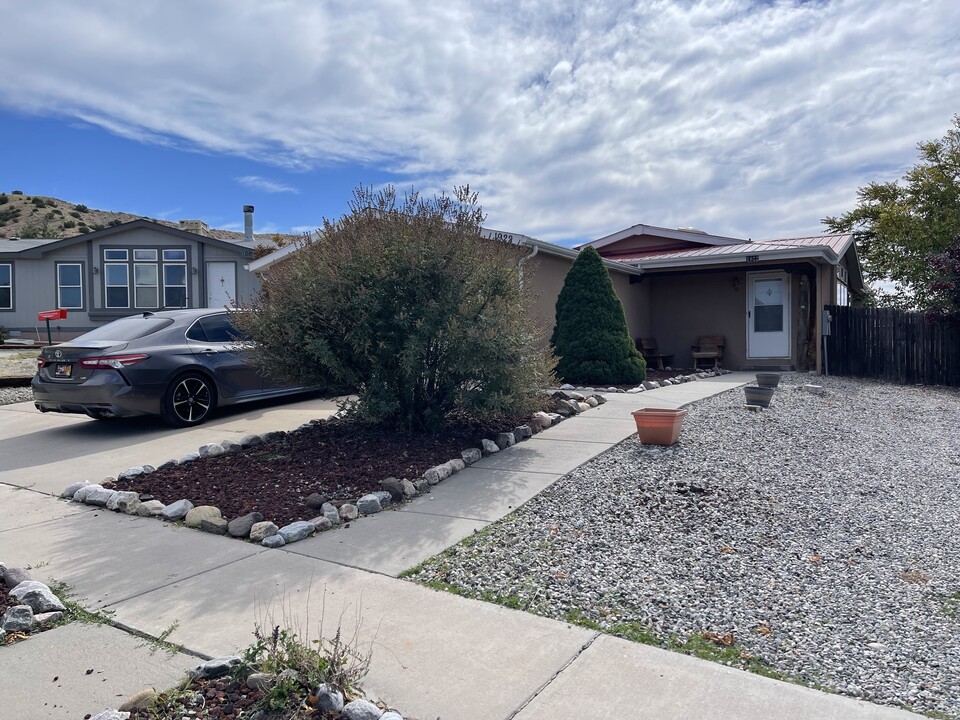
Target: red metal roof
[837, 243]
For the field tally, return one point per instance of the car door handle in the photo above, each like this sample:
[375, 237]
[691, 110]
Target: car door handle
[209, 351]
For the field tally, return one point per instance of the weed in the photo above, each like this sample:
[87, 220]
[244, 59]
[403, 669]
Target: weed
[337, 660]
[951, 606]
[161, 642]
[74, 611]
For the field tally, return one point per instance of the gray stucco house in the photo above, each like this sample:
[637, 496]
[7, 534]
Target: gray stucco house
[122, 270]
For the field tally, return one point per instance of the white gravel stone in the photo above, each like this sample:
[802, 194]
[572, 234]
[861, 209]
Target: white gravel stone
[829, 520]
[10, 395]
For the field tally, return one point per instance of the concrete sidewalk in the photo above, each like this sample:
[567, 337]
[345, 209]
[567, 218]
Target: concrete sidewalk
[434, 654]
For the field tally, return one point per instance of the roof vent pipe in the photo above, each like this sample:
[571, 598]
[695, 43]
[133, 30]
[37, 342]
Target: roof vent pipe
[248, 223]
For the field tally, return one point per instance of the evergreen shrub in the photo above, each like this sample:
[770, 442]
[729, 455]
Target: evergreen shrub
[590, 338]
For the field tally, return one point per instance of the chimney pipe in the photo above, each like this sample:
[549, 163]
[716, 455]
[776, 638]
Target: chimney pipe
[248, 222]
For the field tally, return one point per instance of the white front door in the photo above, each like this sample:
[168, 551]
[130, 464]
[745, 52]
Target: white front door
[221, 284]
[768, 315]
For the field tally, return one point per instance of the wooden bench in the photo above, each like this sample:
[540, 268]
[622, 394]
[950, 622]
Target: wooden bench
[708, 347]
[648, 348]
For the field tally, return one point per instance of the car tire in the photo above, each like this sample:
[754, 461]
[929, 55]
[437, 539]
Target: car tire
[189, 400]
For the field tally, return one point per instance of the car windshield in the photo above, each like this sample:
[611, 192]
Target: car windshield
[129, 328]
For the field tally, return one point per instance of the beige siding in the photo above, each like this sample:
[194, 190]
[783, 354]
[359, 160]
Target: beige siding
[546, 274]
[688, 306]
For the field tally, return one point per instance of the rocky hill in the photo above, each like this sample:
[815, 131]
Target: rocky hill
[37, 216]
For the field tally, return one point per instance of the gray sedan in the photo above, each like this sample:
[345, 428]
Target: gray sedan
[179, 364]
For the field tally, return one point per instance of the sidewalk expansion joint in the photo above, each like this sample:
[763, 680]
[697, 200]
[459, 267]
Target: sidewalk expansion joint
[178, 580]
[122, 627]
[549, 681]
[556, 473]
[30, 488]
[445, 515]
[338, 563]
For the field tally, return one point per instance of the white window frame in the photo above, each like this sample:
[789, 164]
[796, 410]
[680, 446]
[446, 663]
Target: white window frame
[843, 293]
[136, 285]
[106, 285]
[185, 285]
[61, 286]
[159, 258]
[9, 285]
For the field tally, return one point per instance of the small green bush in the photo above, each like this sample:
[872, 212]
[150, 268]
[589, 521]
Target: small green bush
[69, 224]
[114, 223]
[83, 229]
[17, 192]
[38, 202]
[4, 199]
[81, 208]
[75, 214]
[42, 229]
[591, 339]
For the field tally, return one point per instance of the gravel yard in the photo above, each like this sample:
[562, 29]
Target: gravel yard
[10, 395]
[16, 363]
[821, 534]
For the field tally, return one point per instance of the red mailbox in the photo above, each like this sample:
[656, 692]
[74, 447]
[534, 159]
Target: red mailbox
[52, 315]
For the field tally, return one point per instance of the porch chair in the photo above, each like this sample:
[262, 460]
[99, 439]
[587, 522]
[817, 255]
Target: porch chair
[648, 348]
[708, 347]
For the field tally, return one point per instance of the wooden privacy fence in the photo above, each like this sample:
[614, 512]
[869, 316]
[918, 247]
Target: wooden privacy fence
[892, 345]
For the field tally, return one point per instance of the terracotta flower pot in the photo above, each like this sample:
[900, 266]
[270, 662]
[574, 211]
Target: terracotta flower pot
[659, 426]
[768, 379]
[758, 395]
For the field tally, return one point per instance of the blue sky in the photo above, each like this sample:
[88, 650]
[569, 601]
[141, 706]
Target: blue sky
[573, 120]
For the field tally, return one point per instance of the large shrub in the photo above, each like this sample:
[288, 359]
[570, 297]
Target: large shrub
[402, 302]
[591, 339]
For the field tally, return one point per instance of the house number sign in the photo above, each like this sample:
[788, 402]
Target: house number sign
[752, 258]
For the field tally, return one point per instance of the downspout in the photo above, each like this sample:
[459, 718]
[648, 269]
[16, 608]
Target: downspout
[536, 249]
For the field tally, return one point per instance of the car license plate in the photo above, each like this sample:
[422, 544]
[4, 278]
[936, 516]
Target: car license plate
[63, 370]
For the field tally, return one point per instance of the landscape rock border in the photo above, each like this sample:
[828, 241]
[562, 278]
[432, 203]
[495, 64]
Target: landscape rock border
[569, 401]
[38, 608]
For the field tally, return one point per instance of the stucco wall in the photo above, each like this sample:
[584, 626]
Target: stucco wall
[546, 274]
[685, 307]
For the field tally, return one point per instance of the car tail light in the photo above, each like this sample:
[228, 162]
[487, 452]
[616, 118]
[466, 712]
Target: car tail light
[41, 363]
[110, 362]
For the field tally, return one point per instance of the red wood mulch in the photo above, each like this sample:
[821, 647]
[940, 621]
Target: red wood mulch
[339, 460]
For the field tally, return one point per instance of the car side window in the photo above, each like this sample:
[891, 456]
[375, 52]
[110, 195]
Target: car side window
[195, 332]
[219, 329]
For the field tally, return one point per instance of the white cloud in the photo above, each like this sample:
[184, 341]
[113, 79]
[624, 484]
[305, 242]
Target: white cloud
[753, 119]
[264, 185]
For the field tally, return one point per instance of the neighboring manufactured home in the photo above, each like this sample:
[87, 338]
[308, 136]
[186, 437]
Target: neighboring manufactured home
[133, 267]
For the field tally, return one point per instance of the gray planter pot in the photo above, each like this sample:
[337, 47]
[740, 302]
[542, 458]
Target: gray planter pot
[758, 395]
[768, 379]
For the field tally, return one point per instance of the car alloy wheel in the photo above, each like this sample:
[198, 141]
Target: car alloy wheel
[189, 401]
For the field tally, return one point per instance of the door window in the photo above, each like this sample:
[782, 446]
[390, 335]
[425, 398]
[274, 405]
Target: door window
[768, 306]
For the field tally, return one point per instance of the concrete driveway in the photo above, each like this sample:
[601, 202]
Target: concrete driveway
[46, 452]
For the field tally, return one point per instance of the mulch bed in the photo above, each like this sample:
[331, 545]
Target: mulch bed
[5, 600]
[339, 460]
[220, 699]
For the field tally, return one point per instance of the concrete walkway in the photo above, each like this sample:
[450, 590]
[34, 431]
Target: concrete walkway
[434, 654]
